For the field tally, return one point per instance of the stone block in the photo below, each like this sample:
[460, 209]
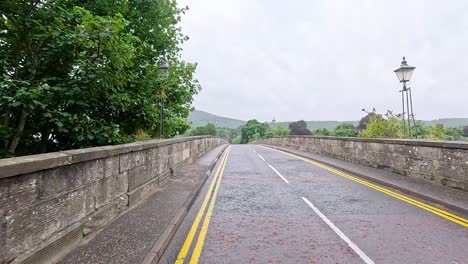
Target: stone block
[427, 153]
[143, 191]
[109, 188]
[163, 160]
[33, 163]
[186, 153]
[90, 198]
[105, 214]
[31, 226]
[111, 166]
[19, 192]
[176, 158]
[164, 178]
[140, 175]
[82, 155]
[132, 160]
[63, 179]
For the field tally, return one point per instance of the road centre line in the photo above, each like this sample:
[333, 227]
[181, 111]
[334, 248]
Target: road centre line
[188, 241]
[447, 215]
[261, 157]
[279, 174]
[356, 249]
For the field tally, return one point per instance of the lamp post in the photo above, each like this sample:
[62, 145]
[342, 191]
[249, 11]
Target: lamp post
[163, 71]
[404, 73]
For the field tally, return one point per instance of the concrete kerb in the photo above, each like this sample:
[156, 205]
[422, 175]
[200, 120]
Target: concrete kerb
[161, 244]
[450, 206]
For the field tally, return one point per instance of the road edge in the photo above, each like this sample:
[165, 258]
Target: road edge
[158, 249]
[449, 206]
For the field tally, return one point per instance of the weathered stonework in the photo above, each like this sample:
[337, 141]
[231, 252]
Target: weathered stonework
[44, 198]
[444, 163]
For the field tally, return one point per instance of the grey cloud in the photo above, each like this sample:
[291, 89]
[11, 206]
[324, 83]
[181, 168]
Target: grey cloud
[326, 60]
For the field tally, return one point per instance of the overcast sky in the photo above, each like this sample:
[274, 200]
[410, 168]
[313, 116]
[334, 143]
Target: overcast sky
[327, 59]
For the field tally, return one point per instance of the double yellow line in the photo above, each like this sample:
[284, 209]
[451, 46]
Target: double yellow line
[449, 216]
[215, 183]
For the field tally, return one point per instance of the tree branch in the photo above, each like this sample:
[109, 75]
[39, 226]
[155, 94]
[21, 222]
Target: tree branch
[19, 130]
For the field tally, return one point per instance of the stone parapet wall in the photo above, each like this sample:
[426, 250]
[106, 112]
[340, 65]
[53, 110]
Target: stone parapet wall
[444, 163]
[47, 200]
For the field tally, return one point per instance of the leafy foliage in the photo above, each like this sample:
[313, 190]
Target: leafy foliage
[367, 119]
[383, 127]
[79, 73]
[209, 129]
[391, 126]
[279, 131]
[342, 130]
[435, 132]
[253, 130]
[237, 140]
[322, 132]
[440, 132]
[345, 130]
[299, 128]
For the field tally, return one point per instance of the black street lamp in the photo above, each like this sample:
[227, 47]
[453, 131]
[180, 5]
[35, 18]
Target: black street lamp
[163, 71]
[404, 73]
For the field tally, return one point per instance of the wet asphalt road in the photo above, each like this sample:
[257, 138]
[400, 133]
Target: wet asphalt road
[261, 217]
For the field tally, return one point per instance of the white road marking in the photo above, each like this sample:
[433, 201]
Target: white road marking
[279, 174]
[261, 157]
[356, 249]
[253, 149]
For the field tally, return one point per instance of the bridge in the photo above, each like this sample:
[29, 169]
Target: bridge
[296, 199]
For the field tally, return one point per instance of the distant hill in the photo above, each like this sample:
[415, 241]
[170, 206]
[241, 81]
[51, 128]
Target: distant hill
[448, 122]
[200, 118]
[322, 124]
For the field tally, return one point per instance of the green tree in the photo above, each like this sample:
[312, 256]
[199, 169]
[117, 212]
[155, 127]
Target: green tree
[299, 128]
[454, 133]
[237, 140]
[345, 130]
[380, 127]
[280, 131]
[435, 132]
[322, 132]
[79, 73]
[222, 132]
[209, 129]
[269, 134]
[253, 129]
[366, 119]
